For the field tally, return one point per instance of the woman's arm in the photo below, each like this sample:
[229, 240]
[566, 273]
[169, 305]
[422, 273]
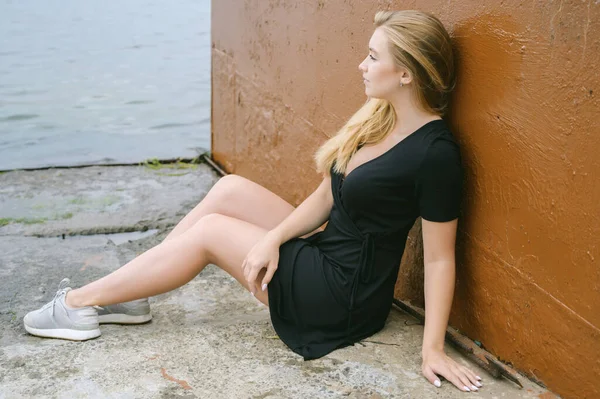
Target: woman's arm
[439, 257]
[310, 214]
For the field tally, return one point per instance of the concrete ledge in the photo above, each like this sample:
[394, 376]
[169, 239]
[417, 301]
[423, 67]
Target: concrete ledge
[99, 199]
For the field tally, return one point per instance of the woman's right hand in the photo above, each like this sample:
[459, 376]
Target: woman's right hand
[264, 254]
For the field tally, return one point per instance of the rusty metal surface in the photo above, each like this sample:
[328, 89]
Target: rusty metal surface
[525, 112]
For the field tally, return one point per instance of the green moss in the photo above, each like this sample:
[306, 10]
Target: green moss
[155, 164]
[152, 163]
[184, 165]
[108, 200]
[30, 220]
[172, 174]
[78, 201]
[5, 221]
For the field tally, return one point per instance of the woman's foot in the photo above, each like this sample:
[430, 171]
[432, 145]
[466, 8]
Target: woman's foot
[134, 312]
[57, 320]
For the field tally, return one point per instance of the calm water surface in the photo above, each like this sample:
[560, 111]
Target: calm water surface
[85, 82]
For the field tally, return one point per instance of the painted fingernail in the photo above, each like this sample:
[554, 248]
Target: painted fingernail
[478, 383]
[478, 377]
[473, 387]
[437, 383]
[466, 389]
[264, 287]
[252, 293]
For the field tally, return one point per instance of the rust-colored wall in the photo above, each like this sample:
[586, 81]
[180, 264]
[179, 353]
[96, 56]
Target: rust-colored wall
[285, 77]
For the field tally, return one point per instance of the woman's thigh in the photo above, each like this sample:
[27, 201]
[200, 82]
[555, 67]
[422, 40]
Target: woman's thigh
[226, 241]
[240, 198]
[246, 200]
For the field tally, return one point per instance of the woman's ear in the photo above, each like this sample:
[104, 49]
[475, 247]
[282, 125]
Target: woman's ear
[405, 77]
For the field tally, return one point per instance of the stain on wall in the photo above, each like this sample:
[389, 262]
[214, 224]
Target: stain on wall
[525, 111]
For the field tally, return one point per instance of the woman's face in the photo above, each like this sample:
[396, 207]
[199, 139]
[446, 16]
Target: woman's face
[381, 77]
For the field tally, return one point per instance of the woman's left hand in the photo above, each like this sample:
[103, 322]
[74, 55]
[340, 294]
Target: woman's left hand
[437, 362]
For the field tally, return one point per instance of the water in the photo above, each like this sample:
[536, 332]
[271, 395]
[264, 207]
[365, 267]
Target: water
[85, 82]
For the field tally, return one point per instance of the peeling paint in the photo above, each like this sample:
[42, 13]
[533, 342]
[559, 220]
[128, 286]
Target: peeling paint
[166, 376]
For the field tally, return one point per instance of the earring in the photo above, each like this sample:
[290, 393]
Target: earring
[401, 84]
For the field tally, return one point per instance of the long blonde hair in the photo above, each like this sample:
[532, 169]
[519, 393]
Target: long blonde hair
[418, 42]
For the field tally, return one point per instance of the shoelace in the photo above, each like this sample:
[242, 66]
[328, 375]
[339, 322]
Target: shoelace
[61, 288]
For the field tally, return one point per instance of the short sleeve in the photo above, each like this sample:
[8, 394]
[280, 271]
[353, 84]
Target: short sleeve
[439, 182]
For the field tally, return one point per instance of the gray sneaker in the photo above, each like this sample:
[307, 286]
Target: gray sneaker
[134, 312]
[56, 320]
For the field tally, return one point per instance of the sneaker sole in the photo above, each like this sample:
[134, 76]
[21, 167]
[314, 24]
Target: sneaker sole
[63, 333]
[119, 318]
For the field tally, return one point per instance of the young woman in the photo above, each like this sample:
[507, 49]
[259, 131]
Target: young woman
[393, 161]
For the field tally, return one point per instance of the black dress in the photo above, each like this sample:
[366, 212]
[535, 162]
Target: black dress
[336, 287]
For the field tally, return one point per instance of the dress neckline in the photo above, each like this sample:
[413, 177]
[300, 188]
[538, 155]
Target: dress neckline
[345, 176]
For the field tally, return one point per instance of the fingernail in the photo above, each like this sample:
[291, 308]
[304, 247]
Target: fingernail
[466, 389]
[252, 293]
[478, 377]
[437, 383]
[473, 387]
[478, 383]
[264, 287]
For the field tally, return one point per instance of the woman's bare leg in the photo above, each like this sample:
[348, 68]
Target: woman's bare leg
[222, 240]
[239, 198]
[236, 199]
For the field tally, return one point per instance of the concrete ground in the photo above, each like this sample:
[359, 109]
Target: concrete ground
[208, 339]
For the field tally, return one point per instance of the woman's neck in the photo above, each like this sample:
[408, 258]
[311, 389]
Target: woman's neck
[409, 116]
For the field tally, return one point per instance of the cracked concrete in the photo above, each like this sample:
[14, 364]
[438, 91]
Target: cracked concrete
[208, 339]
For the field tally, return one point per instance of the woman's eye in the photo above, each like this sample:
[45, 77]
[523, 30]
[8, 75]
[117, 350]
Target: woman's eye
[371, 57]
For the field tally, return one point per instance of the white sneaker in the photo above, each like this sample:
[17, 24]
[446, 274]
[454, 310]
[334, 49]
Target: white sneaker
[134, 312]
[56, 320]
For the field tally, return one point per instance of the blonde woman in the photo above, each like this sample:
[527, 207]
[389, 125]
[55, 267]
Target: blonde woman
[393, 161]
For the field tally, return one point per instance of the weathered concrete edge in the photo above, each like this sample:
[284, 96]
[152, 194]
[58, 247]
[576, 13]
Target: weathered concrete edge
[201, 158]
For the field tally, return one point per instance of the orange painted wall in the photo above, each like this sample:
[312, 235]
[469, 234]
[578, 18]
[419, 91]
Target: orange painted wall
[526, 114]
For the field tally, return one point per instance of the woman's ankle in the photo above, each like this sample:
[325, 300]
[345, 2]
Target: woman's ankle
[72, 301]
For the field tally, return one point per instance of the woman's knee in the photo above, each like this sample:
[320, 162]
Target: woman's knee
[207, 223]
[226, 188]
[205, 230]
[228, 184]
